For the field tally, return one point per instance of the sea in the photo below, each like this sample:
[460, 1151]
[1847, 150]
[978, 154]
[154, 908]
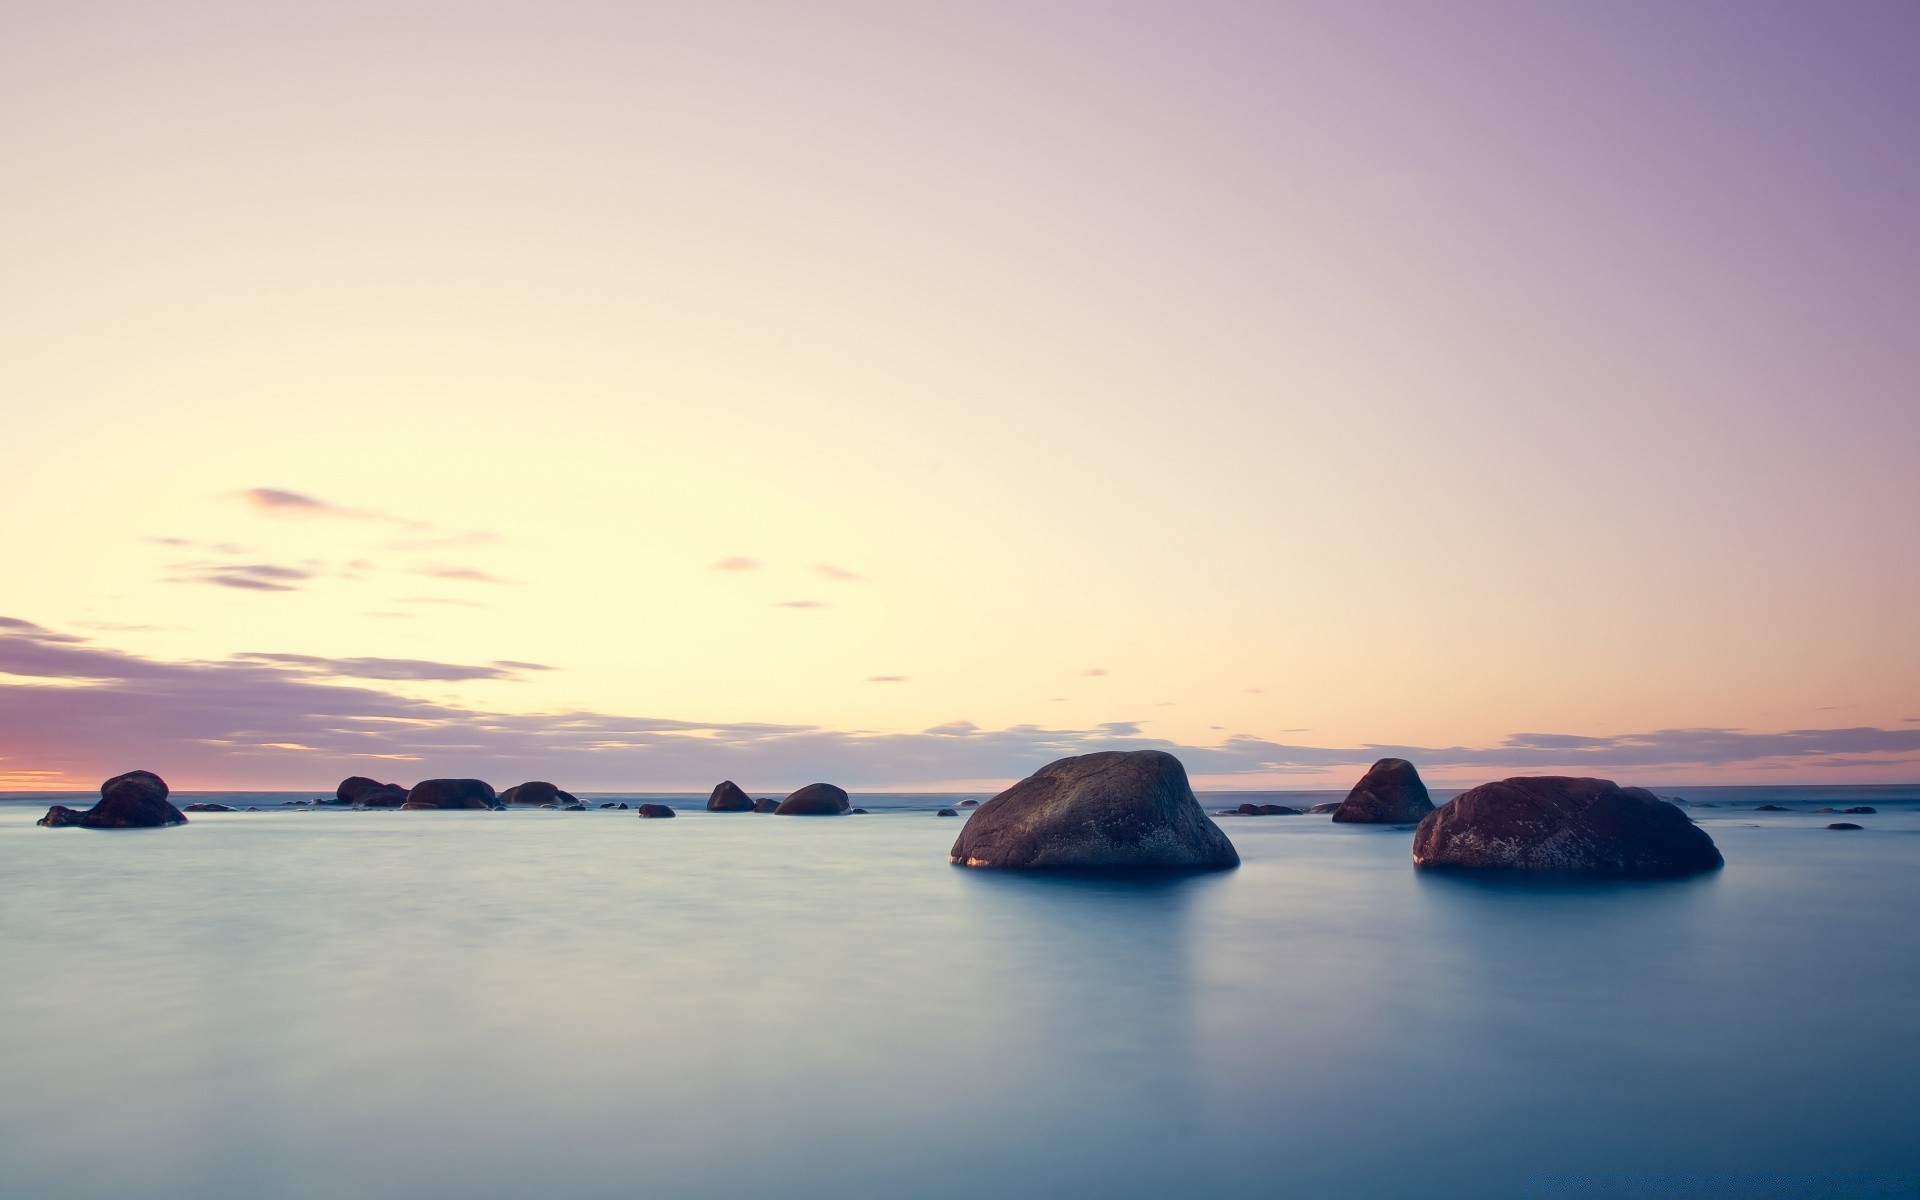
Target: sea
[315, 1004]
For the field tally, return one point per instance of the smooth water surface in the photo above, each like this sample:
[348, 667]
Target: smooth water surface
[323, 1004]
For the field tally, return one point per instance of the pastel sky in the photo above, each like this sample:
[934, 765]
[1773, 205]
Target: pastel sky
[904, 395]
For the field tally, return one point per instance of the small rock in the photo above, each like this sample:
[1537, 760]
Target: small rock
[537, 791]
[1860, 810]
[1844, 825]
[857, 812]
[655, 810]
[969, 804]
[948, 812]
[207, 806]
[766, 806]
[1769, 808]
[573, 808]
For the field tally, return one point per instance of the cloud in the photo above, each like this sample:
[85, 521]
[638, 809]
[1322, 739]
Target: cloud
[1094, 671]
[464, 574]
[802, 604]
[85, 712]
[280, 502]
[441, 600]
[389, 668]
[443, 541]
[737, 563]
[257, 577]
[839, 573]
[886, 679]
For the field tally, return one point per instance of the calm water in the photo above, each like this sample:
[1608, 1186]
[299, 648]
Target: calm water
[331, 1004]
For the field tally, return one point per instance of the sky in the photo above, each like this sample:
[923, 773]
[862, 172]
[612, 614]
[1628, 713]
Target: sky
[906, 395]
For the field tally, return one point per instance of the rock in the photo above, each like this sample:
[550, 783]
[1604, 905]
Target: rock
[1844, 825]
[1860, 810]
[362, 792]
[620, 806]
[1701, 804]
[1262, 810]
[611, 804]
[136, 800]
[1390, 793]
[766, 806]
[208, 806]
[727, 797]
[948, 812]
[1325, 806]
[1110, 809]
[1559, 824]
[814, 800]
[449, 793]
[1769, 808]
[969, 804]
[554, 806]
[655, 810]
[857, 812]
[1826, 810]
[253, 810]
[574, 807]
[537, 791]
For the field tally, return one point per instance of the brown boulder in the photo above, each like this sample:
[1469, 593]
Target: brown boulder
[1114, 809]
[766, 806]
[1564, 825]
[136, 800]
[655, 810]
[815, 800]
[537, 791]
[362, 792]
[727, 797]
[449, 793]
[1390, 793]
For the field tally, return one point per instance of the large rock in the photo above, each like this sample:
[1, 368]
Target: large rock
[729, 798]
[362, 792]
[449, 793]
[1563, 825]
[1390, 793]
[815, 800]
[656, 810]
[537, 792]
[1112, 809]
[136, 800]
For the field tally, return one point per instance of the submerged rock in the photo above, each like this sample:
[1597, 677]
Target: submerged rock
[576, 806]
[209, 806]
[766, 806]
[727, 797]
[449, 793]
[1844, 825]
[1390, 793]
[362, 792]
[656, 810]
[537, 791]
[948, 812]
[1111, 809]
[1860, 810]
[136, 800]
[1561, 824]
[969, 804]
[815, 800]
[857, 812]
[1769, 808]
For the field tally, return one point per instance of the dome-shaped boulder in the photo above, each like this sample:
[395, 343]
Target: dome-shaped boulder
[136, 800]
[1114, 809]
[727, 797]
[766, 805]
[655, 810]
[815, 800]
[362, 792]
[1563, 825]
[449, 793]
[537, 792]
[1390, 793]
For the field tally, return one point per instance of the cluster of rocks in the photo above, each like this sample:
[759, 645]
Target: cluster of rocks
[136, 800]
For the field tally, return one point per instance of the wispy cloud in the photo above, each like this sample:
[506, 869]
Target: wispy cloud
[1094, 671]
[886, 679]
[87, 711]
[256, 577]
[737, 563]
[443, 600]
[801, 604]
[280, 502]
[839, 573]
[463, 574]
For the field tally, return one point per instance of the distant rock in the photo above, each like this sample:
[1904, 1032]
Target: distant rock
[208, 806]
[1826, 810]
[1844, 825]
[656, 810]
[1260, 810]
[136, 800]
[1113, 809]
[449, 793]
[552, 806]
[1769, 808]
[1565, 825]
[766, 806]
[1325, 806]
[815, 800]
[362, 792]
[536, 792]
[1390, 793]
[857, 812]
[620, 805]
[576, 806]
[610, 804]
[727, 797]
[1860, 810]
[1701, 804]
[969, 804]
[948, 812]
